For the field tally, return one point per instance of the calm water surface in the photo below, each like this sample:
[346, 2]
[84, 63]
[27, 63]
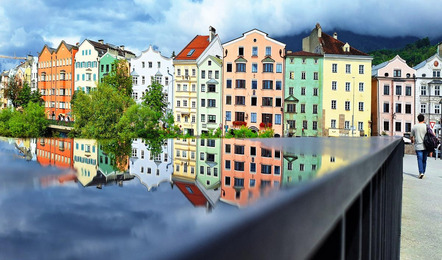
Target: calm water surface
[79, 198]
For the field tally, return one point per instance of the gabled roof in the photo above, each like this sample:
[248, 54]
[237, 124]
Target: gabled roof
[68, 46]
[374, 69]
[331, 45]
[194, 49]
[420, 65]
[50, 49]
[102, 48]
[291, 98]
[266, 35]
[304, 53]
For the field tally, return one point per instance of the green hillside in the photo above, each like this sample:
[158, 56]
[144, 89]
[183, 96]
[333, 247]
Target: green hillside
[413, 53]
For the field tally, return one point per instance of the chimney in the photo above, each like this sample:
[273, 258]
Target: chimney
[101, 41]
[335, 35]
[318, 27]
[122, 47]
[212, 33]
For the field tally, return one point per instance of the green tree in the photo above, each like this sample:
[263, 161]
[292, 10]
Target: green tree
[29, 123]
[12, 90]
[24, 95]
[5, 116]
[119, 77]
[138, 121]
[155, 99]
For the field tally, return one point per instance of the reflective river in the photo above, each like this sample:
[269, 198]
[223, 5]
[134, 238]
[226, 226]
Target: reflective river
[80, 198]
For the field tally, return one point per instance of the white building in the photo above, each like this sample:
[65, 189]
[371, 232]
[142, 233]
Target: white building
[151, 169]
[151, 65]
[428, 89]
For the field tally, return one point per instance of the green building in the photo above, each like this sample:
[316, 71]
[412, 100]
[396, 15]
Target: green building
[300, 168]
[209, 95]
[303, 94]
[208, 163]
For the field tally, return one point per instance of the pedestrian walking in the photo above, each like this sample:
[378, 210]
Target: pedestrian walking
[418, 132]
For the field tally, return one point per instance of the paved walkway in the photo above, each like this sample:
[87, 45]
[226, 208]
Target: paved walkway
[421, 233]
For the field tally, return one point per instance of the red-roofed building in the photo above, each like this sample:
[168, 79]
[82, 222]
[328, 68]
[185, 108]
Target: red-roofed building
[346, 85]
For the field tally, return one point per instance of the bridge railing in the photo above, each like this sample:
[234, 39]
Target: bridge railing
[353, 212]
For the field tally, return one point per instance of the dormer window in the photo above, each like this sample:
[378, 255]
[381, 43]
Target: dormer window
[346, 47]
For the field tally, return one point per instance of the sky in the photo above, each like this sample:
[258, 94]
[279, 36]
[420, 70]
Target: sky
[26, 26]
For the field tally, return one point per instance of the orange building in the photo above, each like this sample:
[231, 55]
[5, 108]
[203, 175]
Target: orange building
[55, 151]
[253, 78]
[248, 171]
[55, 79]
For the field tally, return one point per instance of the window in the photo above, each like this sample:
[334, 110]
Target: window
[333, 123]
[203, 102]
[315, 91]
[292, 75]
[334, 68]
[361, 106]
[277, 119]
[408, 109]
[254, 84]
[398, 108]
[407, 127]
[254, 51]
[240, 51]
[437, 90]
[398, 90]
[303, 75]
[347, 124]
[278, 85]
[211, 103]
[386, 89]
[334, 85]
[347, 86]
[423, 108]
[268, 67]
[239, 116]
[347, 105]
[228, 148]
[266, 169]
[304, 124]
[211, 119]
[278, 68]
[228, 100]
[303, 91]
[407, 90]
[266, 118]
[229, 83]
[239, 149]
[333, 104]
[267, 84]
[254, 101]
[253, 117]
[302, 108]
[315, 76]
[361, 86]
[216, 74]
[315, 109]
[292, 124]
[361, 69]
[291, 91]
[386, 108]
[278, 102]
[227, 165]
[240, 83]
[396, 73]
[239, 166]
[254, 67]
[240, 67]
[360, 126]
[291, 108]
[436, 73]
[315, 125]
[266, 153]
[228, 115]
[347, 68]
[229, 67]
[397, 126]
[252, 151]
[268, 51]
[240, 100]
[423, 90]
[227, 180]
[267, 101]
[386, 126]
[437, 109]
[203, 118]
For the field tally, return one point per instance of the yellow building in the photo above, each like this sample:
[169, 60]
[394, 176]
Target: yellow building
[85, 159]
[184, 159]
[346, 85]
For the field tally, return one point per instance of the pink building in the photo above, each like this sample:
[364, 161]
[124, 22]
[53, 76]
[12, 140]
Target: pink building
[393, 104]
[253, 82]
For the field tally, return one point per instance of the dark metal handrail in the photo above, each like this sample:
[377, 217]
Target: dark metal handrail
[353, 212]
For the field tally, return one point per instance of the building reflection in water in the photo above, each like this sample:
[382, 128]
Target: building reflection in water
[206, 171]
[149, 167]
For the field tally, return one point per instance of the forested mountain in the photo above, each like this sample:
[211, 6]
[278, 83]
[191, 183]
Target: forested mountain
[413, 53]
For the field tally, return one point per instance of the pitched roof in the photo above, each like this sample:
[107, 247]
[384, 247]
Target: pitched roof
[304, 53]
[103, 48]
[198, 45]
[331, 45]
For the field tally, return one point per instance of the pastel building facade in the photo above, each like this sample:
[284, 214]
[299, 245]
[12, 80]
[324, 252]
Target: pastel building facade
[151, 66]
[55, 152]
[56, 85]
[87, 67]
[299, 168]
[209, 94]
[303, 94]
[393, 102]
[249, 171]
[209, 162]
[346, 87]
[253, 82]
[428, 89]
[85, 160]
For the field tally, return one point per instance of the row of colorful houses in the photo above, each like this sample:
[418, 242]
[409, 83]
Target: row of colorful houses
[329, 88]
